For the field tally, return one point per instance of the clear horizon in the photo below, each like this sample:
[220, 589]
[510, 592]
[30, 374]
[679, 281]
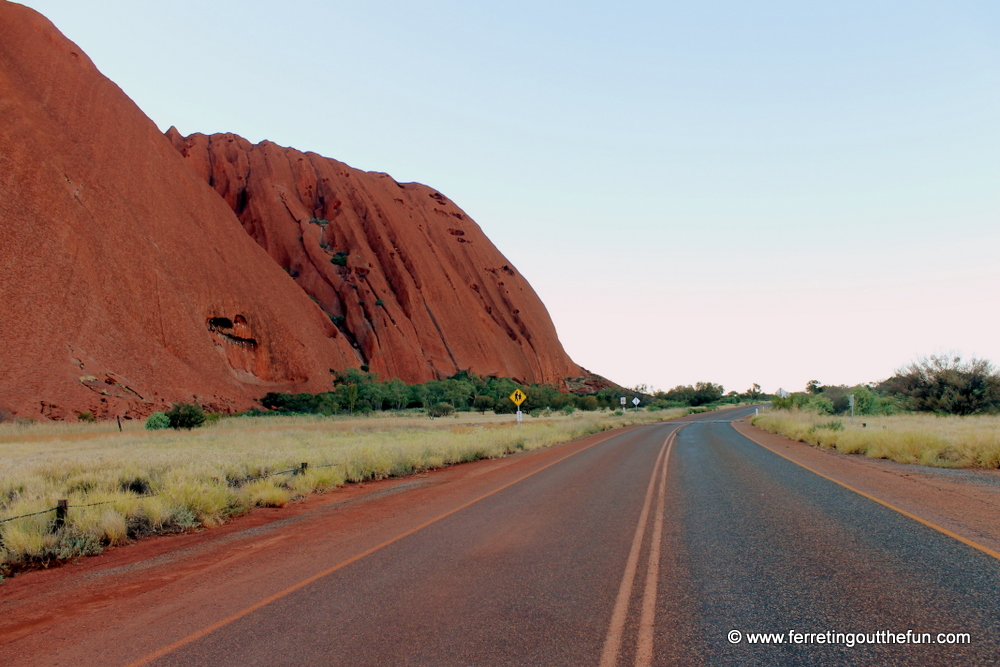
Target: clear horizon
[725, 193]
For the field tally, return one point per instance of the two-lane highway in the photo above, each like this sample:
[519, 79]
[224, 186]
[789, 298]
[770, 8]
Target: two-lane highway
[674, 543]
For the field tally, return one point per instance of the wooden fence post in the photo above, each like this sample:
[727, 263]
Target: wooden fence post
[61, 508]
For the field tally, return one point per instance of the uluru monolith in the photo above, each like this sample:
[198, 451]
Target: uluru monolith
[405, 273]
[138, 269]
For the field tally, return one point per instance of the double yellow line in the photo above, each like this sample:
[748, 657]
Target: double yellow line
[647, 609]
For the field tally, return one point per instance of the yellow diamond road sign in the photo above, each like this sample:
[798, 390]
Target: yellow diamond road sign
[518, 397]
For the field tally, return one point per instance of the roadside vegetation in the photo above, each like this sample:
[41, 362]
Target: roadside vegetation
[938, 411]
[185, 468]
[123, 486]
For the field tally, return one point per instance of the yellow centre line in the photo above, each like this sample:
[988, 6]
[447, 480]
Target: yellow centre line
[619, 615]
[647, 619]
[929, 524]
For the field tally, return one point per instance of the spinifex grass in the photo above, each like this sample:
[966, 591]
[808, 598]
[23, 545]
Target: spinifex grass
[942, 441]
[202, 477]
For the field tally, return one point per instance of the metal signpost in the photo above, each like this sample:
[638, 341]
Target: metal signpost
[635, 402]
[518, 397]
[850, 399]
[624, 407]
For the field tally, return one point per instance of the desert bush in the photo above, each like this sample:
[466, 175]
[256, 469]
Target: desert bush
[441, 410]
[157, 420]
[185, 415]
[947, 384]
[483, 403]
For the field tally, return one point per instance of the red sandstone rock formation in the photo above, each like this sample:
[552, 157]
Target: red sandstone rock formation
[422, 291]
[125, 280]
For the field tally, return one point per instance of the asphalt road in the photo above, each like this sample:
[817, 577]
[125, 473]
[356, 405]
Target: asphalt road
[647, 548]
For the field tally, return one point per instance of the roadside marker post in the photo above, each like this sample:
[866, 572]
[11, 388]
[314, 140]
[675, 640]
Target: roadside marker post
[624, 405]
[517, 398]
[850, 399]
[635, 402]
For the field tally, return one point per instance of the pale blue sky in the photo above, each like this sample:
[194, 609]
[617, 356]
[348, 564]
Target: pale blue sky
[739, 192]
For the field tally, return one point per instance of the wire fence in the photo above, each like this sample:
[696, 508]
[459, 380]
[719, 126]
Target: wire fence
[63, 506]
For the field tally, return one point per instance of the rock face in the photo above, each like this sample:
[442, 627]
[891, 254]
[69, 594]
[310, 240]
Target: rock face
[127, 282]
[402, 270]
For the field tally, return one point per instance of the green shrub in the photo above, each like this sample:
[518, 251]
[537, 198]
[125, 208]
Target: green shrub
[339, 258]
[86, 416]
[484, 403]
[568, 409]
[320, 222]
[157, 420]
[379, 302]
[186, 415]
[441, 410]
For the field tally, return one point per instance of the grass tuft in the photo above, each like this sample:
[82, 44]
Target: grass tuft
[925, 439]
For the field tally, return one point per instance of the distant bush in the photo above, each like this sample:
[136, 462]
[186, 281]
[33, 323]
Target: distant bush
[568, 409]
[86, 416]
[947, 384]
[320, 222]
[339, 258]
[441, 410]
[157, 421]
[379, 302]
[588, 403]
[185, 415]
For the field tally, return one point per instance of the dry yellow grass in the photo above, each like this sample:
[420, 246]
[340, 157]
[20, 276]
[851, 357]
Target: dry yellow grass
[200, 477]
[942, 441]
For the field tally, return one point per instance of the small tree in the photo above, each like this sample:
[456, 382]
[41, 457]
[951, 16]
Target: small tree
[484, 403]
[185, 415]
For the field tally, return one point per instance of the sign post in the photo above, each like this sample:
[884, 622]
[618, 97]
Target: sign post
[850, 399]
[517, 398]
[635, 402]
[624, 407]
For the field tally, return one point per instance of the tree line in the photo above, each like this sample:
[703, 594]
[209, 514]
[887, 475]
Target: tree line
[356, 391]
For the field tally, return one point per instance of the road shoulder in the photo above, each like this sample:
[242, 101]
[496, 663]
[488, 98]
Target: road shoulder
[963, 501]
